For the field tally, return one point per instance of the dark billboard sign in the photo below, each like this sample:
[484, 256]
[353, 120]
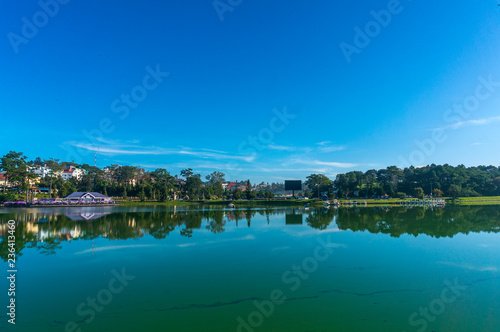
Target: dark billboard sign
[293, 185]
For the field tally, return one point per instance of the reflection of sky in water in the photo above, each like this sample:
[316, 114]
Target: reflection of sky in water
[372, 281]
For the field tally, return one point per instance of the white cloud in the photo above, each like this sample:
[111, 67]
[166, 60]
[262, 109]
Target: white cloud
[327, 149]
[281, 147]
[323, 163]
[184, 245]
[468, 123]
[115, 148]
[324, 147]
[115, 248]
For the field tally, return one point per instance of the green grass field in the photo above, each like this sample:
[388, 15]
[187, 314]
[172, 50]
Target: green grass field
[489, 200]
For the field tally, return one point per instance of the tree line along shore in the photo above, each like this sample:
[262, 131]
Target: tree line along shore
[21, 178]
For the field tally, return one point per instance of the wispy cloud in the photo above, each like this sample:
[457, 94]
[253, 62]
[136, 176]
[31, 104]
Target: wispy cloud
[117, 148]
[115, 143]
[324, 147]
[185, 245]
[323, 163]
[196, 165]
[281, 147]
[217, 151]
[327, 149]
[468, 123]
[229, 167]
[115, 248]
[315, 232]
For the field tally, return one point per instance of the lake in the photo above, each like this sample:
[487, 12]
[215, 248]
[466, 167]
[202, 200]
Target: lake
[193, 268]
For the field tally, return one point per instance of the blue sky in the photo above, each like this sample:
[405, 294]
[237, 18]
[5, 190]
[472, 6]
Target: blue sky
[267, 93]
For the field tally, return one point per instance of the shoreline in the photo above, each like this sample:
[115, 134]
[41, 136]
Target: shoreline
[463, 201]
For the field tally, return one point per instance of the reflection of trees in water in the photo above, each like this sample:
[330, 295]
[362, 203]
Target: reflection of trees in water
[23, 238]
[48, 246]
[320, 218]
[414, 221]
[46, 232]
[215, 222]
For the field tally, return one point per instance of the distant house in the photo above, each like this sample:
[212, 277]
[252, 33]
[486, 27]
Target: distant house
[72, 172]
[180, 182]
[109, 172]
[4, 181]
[41, 171]
[111, 169]
[232, 186]
[88, 197]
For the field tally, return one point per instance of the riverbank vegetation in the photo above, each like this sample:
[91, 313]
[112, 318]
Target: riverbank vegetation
[440, 180]
[124, 183]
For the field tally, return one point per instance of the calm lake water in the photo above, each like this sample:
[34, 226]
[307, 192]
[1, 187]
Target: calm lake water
[263, 269]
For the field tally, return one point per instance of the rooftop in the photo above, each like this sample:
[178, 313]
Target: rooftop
[80, 194]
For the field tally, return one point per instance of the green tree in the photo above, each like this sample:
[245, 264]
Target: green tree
[166, 192]
[38, 162]
[401, 195]
[125, 174]
[7, 197]
[437, 193]
[237, 194]
[419, 193]
[54, 169]
[85, 183]
[16, 169]
[66, 188]
[318, 183]
[193, 186]
[215, 177]
[269, 194]
[454, 190]
[215, 180]
[248, 191]
[163, 183]
[218, 190]
[187, 173]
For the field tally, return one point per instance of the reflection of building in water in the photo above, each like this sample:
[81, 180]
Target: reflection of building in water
[31, 227]
[293, 219]
[65, 233]
[86, 215]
